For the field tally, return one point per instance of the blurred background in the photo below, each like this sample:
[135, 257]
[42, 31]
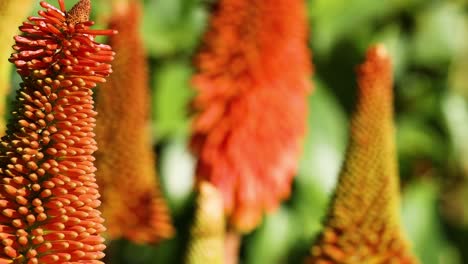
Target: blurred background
[428, 40]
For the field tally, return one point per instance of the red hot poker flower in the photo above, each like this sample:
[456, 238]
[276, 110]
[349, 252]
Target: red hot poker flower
[48, 194]
[133, 205]
[363, 225]
[252, 86]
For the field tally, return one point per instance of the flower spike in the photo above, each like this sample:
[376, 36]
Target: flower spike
[252, 84]
[133, 205]
[48, 194]
[363, 224]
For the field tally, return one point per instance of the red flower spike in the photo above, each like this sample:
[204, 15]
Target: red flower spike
[133, 205]
[252, 85]
[363, 224]
[48, 194]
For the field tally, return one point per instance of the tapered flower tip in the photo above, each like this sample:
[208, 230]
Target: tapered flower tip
[380, 50]
[79, 12]
[210, 202]
[376, 72]
[57, 28]
[208, 231]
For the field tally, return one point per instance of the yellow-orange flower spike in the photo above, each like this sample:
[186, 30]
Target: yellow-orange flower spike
[208, 231]
[252, 84]
[48, 194]
[12, 13]
[363, 224]
[133, 205]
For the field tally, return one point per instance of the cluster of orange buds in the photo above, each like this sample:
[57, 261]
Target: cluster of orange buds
[363, 224]
[48, 193]
[133, 205]
[252, 84]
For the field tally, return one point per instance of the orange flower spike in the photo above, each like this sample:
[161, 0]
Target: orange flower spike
[48, 194]
[363, 225]
[133, 205]
[251, 106]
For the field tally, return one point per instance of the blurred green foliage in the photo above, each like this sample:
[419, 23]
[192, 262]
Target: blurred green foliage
[429, 43]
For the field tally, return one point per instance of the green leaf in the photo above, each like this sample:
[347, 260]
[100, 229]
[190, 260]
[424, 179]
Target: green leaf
[334, 19]
[172, 26]
[171, 99]
[435, 39]
[415, 139]
[272, 240]
[423, 226]
[323, 153]
[325, 142]
[455, 111]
